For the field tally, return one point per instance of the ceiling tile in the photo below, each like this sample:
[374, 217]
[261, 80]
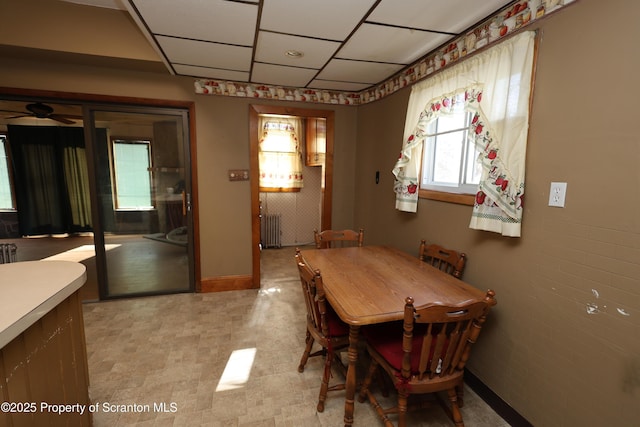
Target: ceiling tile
[271, 48]
[451, 16]
[211, 20]
[381, 43]
[281, 75]
[327, 19]
[205, 54]
[357, 71]
[211, 73]
[347, 45]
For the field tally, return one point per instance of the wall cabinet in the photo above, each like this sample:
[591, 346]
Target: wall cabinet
[316, 141]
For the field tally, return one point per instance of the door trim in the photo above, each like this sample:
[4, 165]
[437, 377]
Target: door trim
[254, 169]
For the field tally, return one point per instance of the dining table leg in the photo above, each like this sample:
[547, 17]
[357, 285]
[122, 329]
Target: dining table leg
[350, 385]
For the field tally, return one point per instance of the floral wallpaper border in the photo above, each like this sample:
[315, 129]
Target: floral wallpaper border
[508, 20]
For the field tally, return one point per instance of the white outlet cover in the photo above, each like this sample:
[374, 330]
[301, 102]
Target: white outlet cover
[557, 194]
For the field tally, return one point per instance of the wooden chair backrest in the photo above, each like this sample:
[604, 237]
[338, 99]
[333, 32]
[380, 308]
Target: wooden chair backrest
[447, 260]
[338, 238]
[314, 296]
[447, 336]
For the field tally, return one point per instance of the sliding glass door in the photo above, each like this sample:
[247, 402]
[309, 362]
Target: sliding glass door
[143, 199]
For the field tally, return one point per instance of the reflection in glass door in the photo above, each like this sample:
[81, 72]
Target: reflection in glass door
[142, 169]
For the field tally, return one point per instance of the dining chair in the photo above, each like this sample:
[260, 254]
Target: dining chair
[338, 238]
[447, 260]
[323, 326]
[426, 356]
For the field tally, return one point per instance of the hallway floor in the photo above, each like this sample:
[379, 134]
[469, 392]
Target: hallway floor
[135, 264]
[173, 350]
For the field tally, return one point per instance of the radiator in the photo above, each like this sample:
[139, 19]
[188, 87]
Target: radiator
[7, 253]
[270, 231]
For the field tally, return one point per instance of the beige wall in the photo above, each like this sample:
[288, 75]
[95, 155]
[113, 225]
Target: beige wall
[225, 207]
[541, 351]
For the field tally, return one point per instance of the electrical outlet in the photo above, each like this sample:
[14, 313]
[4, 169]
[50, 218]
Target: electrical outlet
[557, 194]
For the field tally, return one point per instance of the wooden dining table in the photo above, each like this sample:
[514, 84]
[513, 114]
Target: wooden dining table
[369, 284]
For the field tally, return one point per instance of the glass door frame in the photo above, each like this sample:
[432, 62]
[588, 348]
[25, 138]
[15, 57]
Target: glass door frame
[89, 112]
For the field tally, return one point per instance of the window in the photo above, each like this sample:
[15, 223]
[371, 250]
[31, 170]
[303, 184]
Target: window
[6, 195]
[132, 173]
[449, 163]
[481, 103]
[280, 154]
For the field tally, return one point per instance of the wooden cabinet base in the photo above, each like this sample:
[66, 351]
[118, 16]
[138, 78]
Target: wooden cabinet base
[44, 377]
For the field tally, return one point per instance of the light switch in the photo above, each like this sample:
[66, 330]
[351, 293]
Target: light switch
[557, 194]
[238, 175]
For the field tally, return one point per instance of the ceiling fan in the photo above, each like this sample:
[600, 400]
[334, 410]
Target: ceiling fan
[43, 111]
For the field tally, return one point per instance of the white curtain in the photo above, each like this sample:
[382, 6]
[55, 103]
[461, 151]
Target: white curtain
[280, 153]
[495, 86]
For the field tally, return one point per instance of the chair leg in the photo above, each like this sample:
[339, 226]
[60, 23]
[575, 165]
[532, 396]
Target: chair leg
[366, 393]
[403, 397]
[324, 387]
[456, 416]
[307, 351]
[364, 390]
[382, 383]
[460, 393]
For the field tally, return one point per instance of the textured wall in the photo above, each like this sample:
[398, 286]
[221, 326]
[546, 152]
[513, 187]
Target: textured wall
[562, 345]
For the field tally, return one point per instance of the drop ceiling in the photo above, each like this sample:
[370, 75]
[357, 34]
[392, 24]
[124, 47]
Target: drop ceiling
[343, 45]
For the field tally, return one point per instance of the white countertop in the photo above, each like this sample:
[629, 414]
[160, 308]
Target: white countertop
[30, 289]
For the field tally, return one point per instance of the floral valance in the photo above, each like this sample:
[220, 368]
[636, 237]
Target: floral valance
[280, 153]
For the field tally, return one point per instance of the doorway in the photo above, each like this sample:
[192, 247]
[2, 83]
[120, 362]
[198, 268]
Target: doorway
[142, 199]
[326, 179]
[136, 248]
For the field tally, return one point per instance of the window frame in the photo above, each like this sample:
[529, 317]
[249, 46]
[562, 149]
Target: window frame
[4, 140]
[429, 152]
[129, 140]
[461, 194]
[461, 199]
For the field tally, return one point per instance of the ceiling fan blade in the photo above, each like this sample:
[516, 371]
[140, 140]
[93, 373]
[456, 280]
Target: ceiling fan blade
[13, 111]
[18, 117]
[61, 119]
[70, 116]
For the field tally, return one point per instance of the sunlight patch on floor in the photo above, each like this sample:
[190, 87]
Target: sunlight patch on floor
[236, 373]
[79, 254]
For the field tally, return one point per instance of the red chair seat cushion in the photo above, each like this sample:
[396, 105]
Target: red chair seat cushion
[336, 326]
[386, 339]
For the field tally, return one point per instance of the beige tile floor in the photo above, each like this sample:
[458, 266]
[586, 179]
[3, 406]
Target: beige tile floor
[173, 350]
[134, 264]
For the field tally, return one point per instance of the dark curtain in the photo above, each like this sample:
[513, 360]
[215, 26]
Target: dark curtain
[52, 189]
